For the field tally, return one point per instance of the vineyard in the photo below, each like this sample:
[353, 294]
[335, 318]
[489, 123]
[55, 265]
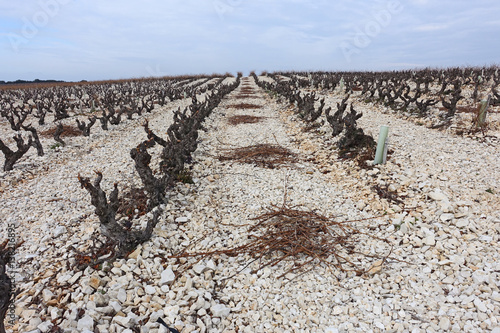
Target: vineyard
[244, 204]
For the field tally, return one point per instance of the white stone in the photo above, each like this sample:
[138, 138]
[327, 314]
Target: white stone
[480, 305]
[445, 323]
[211, 264]
[437, 196]
[150, 290]
[220, 310]
[116, 271]
[331, 329]
[107, 310]
[86, 323]
[59, 230]
[171, 312]
[135, 253]
[458, 259]
[167, 276]
[199, 268]
[447, 207]
[45, 326]
[122, 295]
[74, 278]
[55, 313]
[361, 205]
[446, 217]
[100, 299]
[429, 240]
[122, 321]
[480, 277]
[182, 219]
[449, 279]
[34, 322]
[47, 295]
[115, 305]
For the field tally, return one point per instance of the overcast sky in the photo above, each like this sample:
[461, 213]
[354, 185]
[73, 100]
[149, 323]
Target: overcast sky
[113, 39]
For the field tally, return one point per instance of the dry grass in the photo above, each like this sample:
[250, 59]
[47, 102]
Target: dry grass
[302, 240]
[68, 131]
[133, 203]
[245, 106]
[467, 109]
[246, 96]
[385, 193]
[32, 85]
[236, 120]
[263, 155]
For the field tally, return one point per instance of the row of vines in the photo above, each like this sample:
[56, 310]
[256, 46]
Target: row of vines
[111, 103]
[437, 95]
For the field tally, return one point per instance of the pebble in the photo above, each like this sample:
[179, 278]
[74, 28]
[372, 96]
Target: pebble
[73, 279]
[122, 321]
[182, 219]
[430, 240]
[45, 326]
[47, 295]
[437, 196]
[199, 268]
[220, 310]
[135, 254]
[100, 299]
[480, 305]
[86, 323]
[116, 306]
[446, 217]
[60, 230]
[331, 330]
[122, 295]
[150, 290]
[167, 277]
[95, 282]
[480, 277]
[444, 323]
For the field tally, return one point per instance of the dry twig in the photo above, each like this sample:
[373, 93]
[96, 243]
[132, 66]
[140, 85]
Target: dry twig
[303, 240]
[243, 119]
[263, 155]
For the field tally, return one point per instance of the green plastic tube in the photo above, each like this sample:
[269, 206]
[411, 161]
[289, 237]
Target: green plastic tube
[481, 119]
[379, 154]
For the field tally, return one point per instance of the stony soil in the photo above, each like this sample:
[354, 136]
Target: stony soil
[442, 274]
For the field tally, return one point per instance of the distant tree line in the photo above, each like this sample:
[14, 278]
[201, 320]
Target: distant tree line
[34, 81]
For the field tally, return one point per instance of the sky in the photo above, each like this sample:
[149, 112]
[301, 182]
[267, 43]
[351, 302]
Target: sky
[75, 40]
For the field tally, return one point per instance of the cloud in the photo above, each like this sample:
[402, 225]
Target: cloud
[116, 38]
[431, 27]
[420, 2]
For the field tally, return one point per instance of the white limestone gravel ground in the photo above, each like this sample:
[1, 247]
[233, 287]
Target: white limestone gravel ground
[446, 234]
